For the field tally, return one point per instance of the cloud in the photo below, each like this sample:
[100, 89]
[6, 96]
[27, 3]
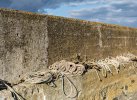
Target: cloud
[86, 2]
[119, 12]
[35, 5]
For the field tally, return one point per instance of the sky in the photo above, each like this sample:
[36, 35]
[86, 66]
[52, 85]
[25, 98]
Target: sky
[122, 12]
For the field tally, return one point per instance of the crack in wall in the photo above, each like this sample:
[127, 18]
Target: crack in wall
[100, 36]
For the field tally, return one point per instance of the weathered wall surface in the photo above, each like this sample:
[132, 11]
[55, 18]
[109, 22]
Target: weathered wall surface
[30, 42]
[23, 43]
[69, 37]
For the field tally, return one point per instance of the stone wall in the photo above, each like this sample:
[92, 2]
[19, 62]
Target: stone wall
[23, 43]
[69, 37]
[30, 42]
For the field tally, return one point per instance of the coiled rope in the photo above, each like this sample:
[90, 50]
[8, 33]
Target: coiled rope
[105, 65]
[71, 85]
[63, 68]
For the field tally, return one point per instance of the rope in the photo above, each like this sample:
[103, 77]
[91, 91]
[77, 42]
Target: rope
[71, 85]
[38, 77]
[98, 75]
[65, 68]
[114, 63]
[105, 67]
[13, 91]
[105, 64]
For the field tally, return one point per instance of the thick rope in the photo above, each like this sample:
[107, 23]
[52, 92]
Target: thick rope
[13, 91]
[71, 85]
[38, 77]
[65, 68]
[98, 75]
[105, 64]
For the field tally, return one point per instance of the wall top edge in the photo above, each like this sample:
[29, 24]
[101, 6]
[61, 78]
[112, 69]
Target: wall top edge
[73, 20]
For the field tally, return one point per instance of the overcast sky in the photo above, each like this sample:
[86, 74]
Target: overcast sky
[123, 12]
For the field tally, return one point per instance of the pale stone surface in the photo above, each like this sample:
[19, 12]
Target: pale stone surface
[31, 42]
[23, 44]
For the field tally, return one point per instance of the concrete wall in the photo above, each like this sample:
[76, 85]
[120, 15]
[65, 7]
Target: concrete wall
[69, 37]
[31, 42]
[23, 43]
